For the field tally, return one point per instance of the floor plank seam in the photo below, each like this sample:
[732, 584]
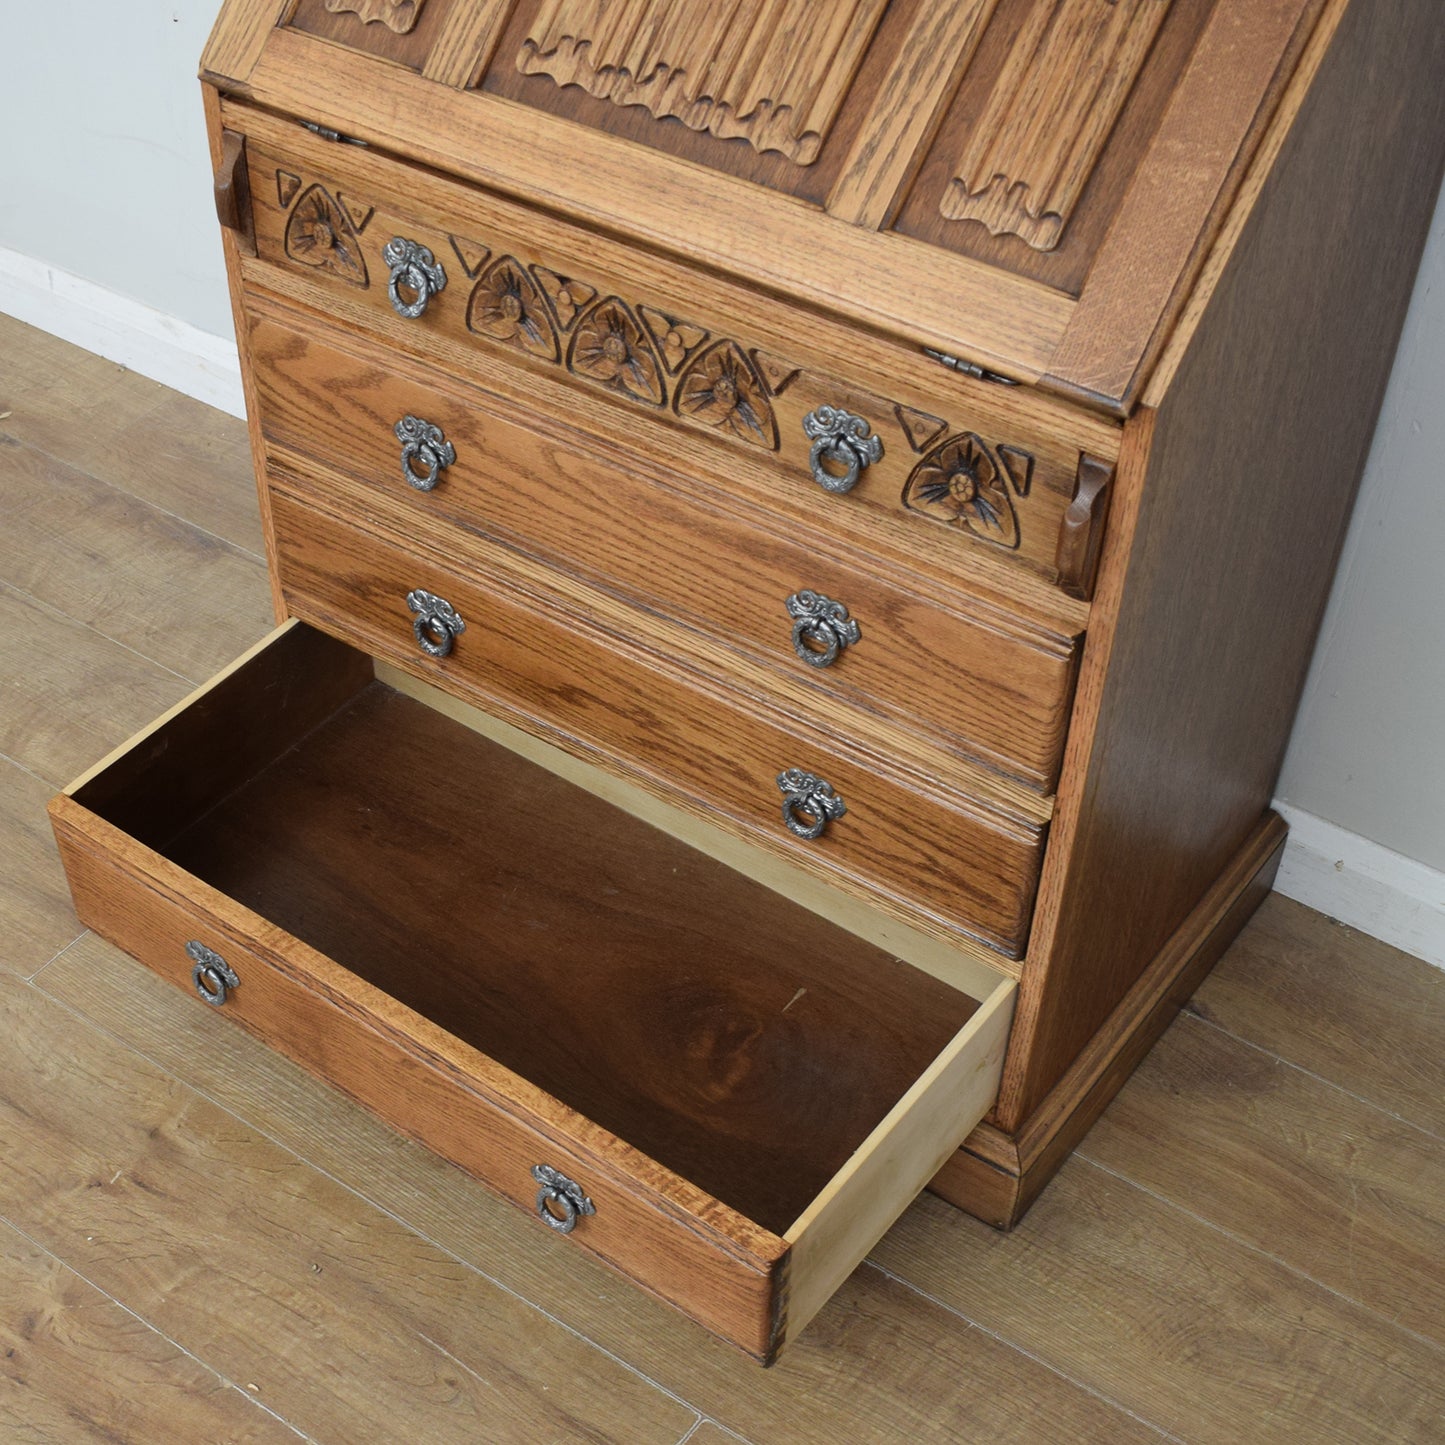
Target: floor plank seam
[1243, 1243]
[148, 502]
[87, 1022]
[1013, 1345]
[1318, 1078]
[57, 956]
[90, 627]
[145, 1323]
[15, 762]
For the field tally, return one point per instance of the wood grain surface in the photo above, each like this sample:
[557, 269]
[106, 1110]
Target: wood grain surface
[35, 916]
[958, 669]
[145, 1186]
[901, 842]
[74, 1365]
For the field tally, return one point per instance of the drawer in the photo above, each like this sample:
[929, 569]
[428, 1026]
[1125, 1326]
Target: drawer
[944, 860]
[959, 670]
[717, 1092]
[660, 362]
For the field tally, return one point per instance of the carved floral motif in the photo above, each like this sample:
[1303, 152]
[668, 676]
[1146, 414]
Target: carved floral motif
[398, 15]
[320, 234]
[567, 297]
[611, 348]
[774, 72]
[960, 482]
[507, 306]
[722, 390]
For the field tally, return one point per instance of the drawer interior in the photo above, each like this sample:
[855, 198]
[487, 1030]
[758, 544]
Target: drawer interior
[741, 1040]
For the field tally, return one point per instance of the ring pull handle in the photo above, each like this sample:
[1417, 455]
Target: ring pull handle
[809, 803]
[560, 1202]
[821, 628]
[213, 977]
[844, 445]
[425, 452]
[414, 270]
[436, 624]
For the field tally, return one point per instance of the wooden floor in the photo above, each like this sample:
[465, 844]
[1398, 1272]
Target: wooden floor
[198, 1243]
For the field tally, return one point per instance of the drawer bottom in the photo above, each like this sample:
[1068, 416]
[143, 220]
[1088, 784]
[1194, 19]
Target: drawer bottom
[518, 972]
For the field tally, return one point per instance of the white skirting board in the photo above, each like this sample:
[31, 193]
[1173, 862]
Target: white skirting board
[1384, 894]
[129, 332]
[1358, 882]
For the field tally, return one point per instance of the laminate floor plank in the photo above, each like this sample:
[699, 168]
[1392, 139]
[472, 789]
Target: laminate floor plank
[1331, 1186]
[70, 694]
[75, 1366]
[1176, 1321]
[36, 917]
[709, 1433]
[161, 446]
[1336, 1002]
[138, 575]
[348, 1324]
[879, 1364]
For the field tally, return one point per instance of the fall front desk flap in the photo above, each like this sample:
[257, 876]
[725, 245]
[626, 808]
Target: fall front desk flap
[1029, 186]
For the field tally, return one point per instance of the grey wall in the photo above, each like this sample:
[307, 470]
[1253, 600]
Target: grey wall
[1368, 750]
[103, 163]
[103, 173]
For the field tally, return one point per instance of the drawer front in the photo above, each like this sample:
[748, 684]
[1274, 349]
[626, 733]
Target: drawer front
[661, 363]
[954, 864]
[966, 674]
[358, 1040]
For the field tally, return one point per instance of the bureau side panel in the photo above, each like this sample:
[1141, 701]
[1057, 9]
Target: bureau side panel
[1232, 506]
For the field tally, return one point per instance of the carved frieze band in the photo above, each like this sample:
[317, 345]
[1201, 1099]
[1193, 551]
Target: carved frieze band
[1053, 107]
[773, 72]
[398, 15]
[963, 482]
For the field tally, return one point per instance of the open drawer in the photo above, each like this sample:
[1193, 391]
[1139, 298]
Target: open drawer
[514, 959]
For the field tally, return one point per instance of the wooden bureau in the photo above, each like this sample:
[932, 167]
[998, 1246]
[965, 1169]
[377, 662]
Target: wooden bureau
[797, 532]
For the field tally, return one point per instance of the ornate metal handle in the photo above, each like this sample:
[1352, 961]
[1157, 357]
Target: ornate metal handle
[213, 977]
[437, 622]
[809, 803]
[840, 439]
[559, 1200]
[425, 452]
[413, 269]
[821, 628]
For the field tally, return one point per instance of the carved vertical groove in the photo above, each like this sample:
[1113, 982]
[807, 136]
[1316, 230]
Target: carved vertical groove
[773, 72]
[1051, 111]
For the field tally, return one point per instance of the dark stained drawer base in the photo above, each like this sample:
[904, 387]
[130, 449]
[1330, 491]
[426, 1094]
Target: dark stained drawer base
[520, 974]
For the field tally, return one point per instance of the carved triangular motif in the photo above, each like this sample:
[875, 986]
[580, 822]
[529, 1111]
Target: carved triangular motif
[359, 216]
[1019, 465]
[472, 254]
[566, 297]
[676, 340]
[777, 373]
[286, 187]
[921, 429]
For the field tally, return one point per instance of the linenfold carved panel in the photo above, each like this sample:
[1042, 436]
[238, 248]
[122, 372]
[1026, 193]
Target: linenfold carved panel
[774, 72]
[1052, 109]
[398, 15]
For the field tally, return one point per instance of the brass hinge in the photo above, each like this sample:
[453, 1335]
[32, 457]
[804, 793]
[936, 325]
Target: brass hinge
[969, 368]
[326, 133]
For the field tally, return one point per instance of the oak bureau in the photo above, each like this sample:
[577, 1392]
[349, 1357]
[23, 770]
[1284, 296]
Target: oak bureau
[797, 529]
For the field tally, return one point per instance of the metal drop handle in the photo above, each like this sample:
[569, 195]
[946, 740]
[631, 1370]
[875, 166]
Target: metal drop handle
[841, 439]
[809, 803]
[425, 452]
[413, 269]
[560, 1202]
[437, 623]
[821, 628]
[213, 977]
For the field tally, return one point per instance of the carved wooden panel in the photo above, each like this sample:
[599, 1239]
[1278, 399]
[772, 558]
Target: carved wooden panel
[1057, 99]
[397, 15]
[774, 72]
